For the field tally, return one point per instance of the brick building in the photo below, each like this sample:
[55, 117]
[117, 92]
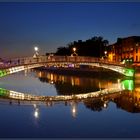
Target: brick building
[125, 50]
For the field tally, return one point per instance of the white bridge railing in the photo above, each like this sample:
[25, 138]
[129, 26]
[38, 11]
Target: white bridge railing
[30, 62]
[115, 88]
[49, 59]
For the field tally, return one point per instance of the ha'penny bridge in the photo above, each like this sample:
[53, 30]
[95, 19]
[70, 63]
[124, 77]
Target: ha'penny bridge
[115, 88]
[10, 66]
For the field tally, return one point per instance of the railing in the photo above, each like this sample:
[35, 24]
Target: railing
[28, 97]
[58, 59]
[30, 62]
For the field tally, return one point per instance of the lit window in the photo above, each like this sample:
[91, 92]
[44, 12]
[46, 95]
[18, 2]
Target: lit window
[136, 50]
[136, 58]
[137, 44]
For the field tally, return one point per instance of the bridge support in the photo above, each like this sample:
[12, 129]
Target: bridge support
[129, 72]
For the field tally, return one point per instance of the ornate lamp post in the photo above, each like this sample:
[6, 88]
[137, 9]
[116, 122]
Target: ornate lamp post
[74, 52]
[74, 49]
[105, 52]
[36, 49]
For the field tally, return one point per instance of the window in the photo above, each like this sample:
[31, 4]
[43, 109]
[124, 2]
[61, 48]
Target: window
[137, 44]
[131, 49]
[136, 50]
[136, 58]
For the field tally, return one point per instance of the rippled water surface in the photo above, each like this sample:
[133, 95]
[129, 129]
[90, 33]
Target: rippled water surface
[113, 115]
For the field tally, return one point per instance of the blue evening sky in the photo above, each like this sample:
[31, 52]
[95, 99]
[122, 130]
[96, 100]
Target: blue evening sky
[53, 24]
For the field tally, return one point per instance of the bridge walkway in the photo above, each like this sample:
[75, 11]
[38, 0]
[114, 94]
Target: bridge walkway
[18, 64]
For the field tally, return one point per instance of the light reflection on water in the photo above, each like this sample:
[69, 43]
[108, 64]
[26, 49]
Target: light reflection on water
[27, 83]
[68, 85]
[54, 84]
[94, 117]
[45, 83]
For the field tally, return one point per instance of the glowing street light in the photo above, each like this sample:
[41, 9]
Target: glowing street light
[36, 49]
[74, 52]
[74, 49]
[105, 52]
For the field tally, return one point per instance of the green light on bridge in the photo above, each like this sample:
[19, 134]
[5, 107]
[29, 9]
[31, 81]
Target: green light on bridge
[3, 92]
[129, 72]
[128, 84]
[3, 73]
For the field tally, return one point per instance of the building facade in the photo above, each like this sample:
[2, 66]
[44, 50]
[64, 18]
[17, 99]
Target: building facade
[126, 50]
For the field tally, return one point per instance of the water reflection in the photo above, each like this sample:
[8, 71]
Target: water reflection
[74, 109]
[36, 111]
[127, 99]
[68, 85]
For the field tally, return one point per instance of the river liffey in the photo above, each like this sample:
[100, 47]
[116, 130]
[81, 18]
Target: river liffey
[107, 115]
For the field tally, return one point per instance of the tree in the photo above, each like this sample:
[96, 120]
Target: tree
[94, 46]
[62, 51]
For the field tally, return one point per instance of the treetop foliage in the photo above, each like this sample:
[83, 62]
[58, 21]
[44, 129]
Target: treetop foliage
[94, 46]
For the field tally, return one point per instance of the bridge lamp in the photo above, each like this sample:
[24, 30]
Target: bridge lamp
[36, 49]
[74, 52]
[105, 52]
[74, 49]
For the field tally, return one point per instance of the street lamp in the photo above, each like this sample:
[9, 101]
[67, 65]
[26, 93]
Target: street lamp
[74, 52]
[74, 49]
[36, 49]
[105, 53]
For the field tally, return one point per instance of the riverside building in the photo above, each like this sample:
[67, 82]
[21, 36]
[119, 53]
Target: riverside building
[125, 50]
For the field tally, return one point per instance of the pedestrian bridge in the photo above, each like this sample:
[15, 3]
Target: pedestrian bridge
[115, 88]
[10, 66]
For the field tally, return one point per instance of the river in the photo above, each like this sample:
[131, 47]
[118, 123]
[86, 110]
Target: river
[115, 115]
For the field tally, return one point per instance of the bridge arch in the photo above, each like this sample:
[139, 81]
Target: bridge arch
[19, 64]
[29, 97]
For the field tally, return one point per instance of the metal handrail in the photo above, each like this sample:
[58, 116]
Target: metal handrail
[48, 59]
